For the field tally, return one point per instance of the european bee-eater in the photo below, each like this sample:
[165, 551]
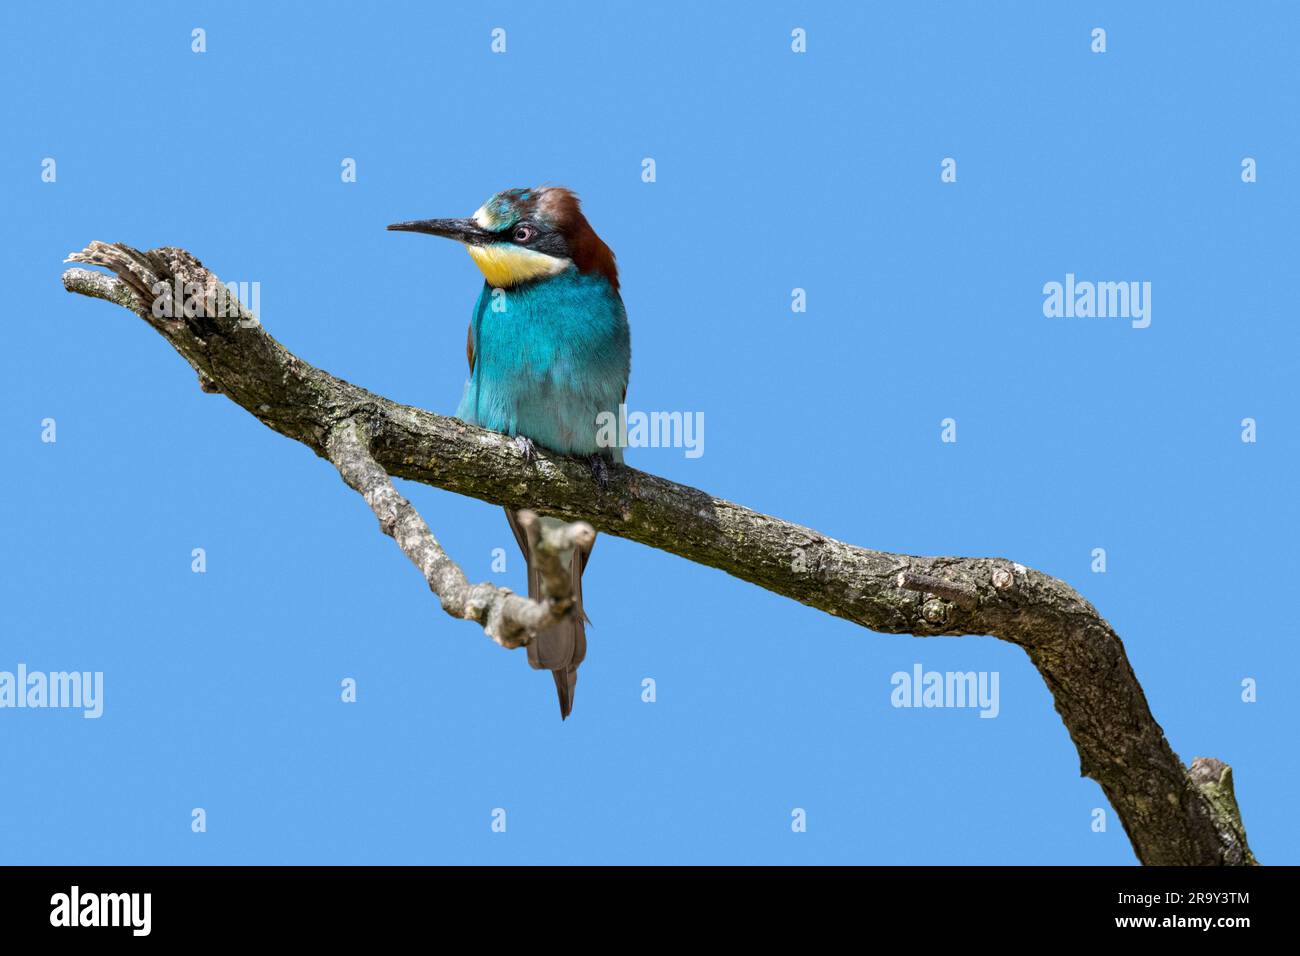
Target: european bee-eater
[549, 351]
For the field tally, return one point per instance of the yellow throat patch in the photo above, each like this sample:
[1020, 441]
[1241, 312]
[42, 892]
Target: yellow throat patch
[504, 265]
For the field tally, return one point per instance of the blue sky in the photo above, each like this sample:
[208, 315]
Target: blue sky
[774, 171]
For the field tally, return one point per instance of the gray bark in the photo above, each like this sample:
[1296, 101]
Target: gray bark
[1171, 814]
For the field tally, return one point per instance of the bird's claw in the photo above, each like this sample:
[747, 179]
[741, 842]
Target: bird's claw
[599, 471]
[526, 448]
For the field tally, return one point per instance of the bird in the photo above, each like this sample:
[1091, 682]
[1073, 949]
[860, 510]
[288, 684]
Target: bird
[549, 352]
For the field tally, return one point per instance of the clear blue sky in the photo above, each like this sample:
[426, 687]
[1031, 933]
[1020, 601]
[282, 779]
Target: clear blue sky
[775, 171]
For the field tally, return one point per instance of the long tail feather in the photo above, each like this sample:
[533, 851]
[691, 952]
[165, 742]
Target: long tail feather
[566, 681]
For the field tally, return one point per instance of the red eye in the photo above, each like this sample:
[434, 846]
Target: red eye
[523, 233]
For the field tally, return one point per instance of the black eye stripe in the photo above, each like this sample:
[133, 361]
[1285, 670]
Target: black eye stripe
[548, 241]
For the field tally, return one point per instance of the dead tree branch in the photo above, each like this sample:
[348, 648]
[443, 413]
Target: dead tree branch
[506, 617]
[1172, 815]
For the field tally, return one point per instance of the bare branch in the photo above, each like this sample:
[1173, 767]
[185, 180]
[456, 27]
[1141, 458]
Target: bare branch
[1214, 779]
[547, 544]
[507, 618]
[955, 591]
[1171, 815]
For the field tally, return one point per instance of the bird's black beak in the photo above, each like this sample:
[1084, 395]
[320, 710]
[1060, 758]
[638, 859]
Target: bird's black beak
[462, 230]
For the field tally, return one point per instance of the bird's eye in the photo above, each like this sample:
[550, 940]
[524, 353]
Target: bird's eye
[524, 233]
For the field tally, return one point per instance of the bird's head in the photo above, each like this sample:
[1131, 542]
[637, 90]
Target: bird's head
[523, 235]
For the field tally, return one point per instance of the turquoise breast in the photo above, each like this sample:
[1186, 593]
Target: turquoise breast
[549, 357]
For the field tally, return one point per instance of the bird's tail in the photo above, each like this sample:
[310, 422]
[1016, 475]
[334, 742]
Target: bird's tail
[561, 647]
[566, 681]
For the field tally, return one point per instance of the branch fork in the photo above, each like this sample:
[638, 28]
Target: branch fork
[509, 619]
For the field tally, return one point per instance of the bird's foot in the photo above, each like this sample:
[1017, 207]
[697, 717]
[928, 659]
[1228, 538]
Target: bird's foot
[526, 448]
[599, 470]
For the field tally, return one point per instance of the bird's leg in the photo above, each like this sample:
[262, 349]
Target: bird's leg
[526, 448]
[599, 470]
